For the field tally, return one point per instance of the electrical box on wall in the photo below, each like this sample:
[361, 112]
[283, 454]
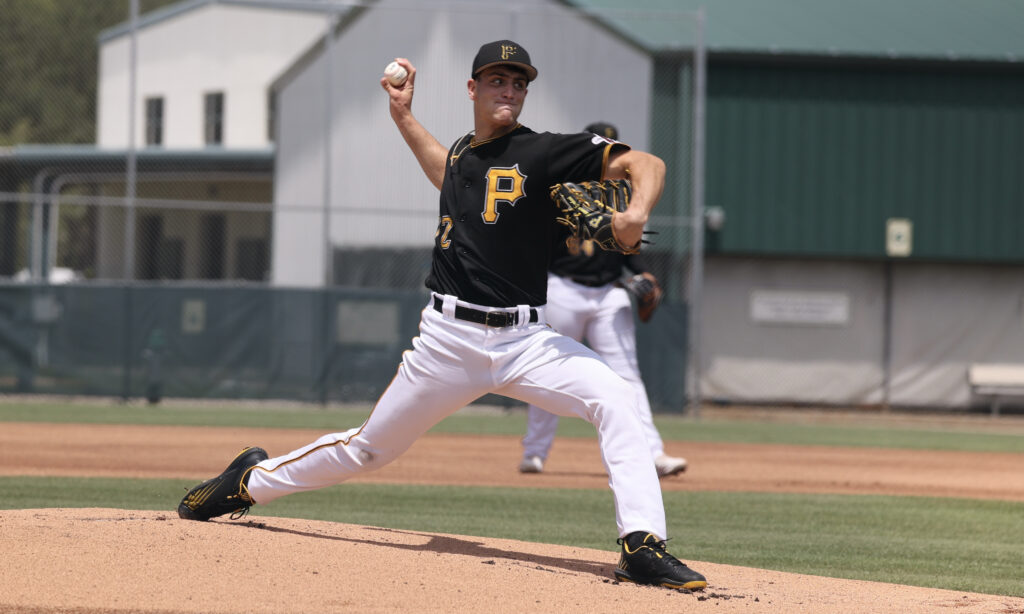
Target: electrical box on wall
[899, 235]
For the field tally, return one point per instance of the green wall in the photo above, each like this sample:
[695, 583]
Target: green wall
[811, 159]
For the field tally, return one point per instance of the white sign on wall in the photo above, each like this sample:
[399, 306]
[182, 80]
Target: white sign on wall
[368, 322]
[800, 307]
[899, 237]
[193, 316]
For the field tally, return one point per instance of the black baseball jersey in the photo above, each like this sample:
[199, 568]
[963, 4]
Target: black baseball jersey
[590, 265]
[496, 229]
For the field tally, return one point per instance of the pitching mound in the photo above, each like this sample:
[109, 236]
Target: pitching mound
[103, 561]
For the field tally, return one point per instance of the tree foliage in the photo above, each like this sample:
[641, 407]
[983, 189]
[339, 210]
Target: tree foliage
[48, 67]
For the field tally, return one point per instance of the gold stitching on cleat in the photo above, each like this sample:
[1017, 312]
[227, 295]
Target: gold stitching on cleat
[243, 488]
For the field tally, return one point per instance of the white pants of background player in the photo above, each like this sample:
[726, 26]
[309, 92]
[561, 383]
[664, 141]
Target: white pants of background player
[454, 362]
[604, 317]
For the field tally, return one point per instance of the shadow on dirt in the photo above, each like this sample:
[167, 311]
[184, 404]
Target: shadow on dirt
[442, 544]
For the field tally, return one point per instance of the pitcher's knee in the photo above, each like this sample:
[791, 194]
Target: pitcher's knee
[622, 390]
[368, 459]
[617, 395]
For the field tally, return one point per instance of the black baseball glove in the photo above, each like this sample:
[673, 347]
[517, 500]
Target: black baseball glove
[587, 210]
[647, 292]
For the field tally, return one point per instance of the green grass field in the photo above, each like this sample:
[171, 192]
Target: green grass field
[937, 542]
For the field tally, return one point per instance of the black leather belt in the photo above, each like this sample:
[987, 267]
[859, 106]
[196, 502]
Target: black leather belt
[497, 319]
[590, 283]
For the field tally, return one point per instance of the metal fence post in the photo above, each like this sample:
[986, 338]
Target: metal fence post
[130, 162]
[697, 268]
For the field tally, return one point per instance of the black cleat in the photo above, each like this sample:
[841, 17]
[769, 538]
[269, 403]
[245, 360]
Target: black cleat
[645, 560]
[224, 494]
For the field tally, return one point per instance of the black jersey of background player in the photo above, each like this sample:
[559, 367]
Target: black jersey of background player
[586, 263]
[496, 228]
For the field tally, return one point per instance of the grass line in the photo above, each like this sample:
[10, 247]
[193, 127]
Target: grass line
[513, 423]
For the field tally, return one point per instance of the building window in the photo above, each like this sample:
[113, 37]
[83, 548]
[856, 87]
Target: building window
[212, 232]
[158, 256]
[214, 113]
[155, 121]
[251, 259]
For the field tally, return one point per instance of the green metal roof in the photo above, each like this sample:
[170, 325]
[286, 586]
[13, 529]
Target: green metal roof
[975, 30]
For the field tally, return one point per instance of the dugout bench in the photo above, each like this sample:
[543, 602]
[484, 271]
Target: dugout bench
[998, 382]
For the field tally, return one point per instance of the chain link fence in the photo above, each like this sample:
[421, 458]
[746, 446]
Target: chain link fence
[228, 210]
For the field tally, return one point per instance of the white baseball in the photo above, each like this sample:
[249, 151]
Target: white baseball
[396, 74]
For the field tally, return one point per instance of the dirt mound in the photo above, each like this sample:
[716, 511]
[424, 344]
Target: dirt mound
[99, 561]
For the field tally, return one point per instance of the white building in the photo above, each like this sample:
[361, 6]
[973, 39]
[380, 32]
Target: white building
[202, 71]
[376, 193]
[203, 68]
[243, 74]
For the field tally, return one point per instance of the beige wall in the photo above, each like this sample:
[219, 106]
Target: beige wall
[799, 349]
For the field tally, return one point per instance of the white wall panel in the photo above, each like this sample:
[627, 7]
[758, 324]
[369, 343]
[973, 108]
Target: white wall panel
[226, 48]
[380, 196]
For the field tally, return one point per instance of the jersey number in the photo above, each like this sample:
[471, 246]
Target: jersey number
[444, 228]
[504, 185]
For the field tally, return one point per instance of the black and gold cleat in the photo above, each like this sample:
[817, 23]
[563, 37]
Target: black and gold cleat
[645, 560]
[224, 494]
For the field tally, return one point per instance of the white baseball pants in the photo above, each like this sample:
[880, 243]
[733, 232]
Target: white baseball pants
[602, 316]
[454, 362]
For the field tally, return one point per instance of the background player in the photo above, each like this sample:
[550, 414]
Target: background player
[483, 329]
[586, 302]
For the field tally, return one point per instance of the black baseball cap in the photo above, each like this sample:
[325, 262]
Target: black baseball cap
[604, 129]
[503, 52]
